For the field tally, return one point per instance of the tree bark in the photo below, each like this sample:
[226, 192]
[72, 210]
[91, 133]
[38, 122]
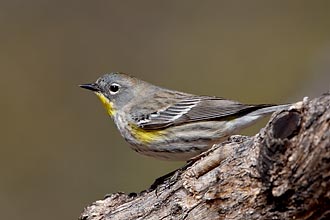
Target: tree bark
[283, 172]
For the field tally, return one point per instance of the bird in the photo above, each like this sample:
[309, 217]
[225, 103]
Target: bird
[168, 124]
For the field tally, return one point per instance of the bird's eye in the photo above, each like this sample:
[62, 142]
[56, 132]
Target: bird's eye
[114, 88]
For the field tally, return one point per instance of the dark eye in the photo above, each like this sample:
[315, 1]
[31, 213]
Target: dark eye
[114, 88]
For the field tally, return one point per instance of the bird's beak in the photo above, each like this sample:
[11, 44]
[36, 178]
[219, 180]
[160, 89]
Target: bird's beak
[91, 86]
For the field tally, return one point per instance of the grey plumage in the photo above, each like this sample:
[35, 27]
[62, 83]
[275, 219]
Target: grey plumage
[169, 124]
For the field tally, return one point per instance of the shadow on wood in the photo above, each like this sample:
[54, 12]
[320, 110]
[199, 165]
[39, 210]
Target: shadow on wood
[281, 173]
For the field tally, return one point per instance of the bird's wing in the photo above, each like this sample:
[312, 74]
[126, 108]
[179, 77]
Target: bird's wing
[192, 109]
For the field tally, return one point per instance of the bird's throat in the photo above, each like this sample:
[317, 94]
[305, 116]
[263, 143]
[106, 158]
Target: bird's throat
[106, 103]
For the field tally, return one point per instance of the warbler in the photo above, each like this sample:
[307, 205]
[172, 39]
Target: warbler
[168, 124]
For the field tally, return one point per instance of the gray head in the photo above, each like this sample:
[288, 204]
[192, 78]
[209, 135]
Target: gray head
[117, 88]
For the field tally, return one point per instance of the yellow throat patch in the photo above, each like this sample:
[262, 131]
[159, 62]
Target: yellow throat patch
[106, 103]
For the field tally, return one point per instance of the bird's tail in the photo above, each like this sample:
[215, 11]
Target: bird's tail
[269, 110]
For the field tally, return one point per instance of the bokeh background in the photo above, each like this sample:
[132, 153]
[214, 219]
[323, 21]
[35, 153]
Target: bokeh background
[59, 151]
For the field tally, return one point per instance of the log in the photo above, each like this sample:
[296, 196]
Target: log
[283, 172]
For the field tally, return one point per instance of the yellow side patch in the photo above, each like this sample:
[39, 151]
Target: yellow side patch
[146, 136]
[106, 103]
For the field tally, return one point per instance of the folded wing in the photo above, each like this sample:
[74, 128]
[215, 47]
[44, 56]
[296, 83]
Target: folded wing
[193, 109]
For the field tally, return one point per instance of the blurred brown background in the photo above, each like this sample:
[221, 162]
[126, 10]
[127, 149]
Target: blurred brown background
[59, 151]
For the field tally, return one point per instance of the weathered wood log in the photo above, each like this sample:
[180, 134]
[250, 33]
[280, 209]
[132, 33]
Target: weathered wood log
[281, 173]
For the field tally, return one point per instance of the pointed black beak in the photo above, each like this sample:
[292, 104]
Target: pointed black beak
[91, 86]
